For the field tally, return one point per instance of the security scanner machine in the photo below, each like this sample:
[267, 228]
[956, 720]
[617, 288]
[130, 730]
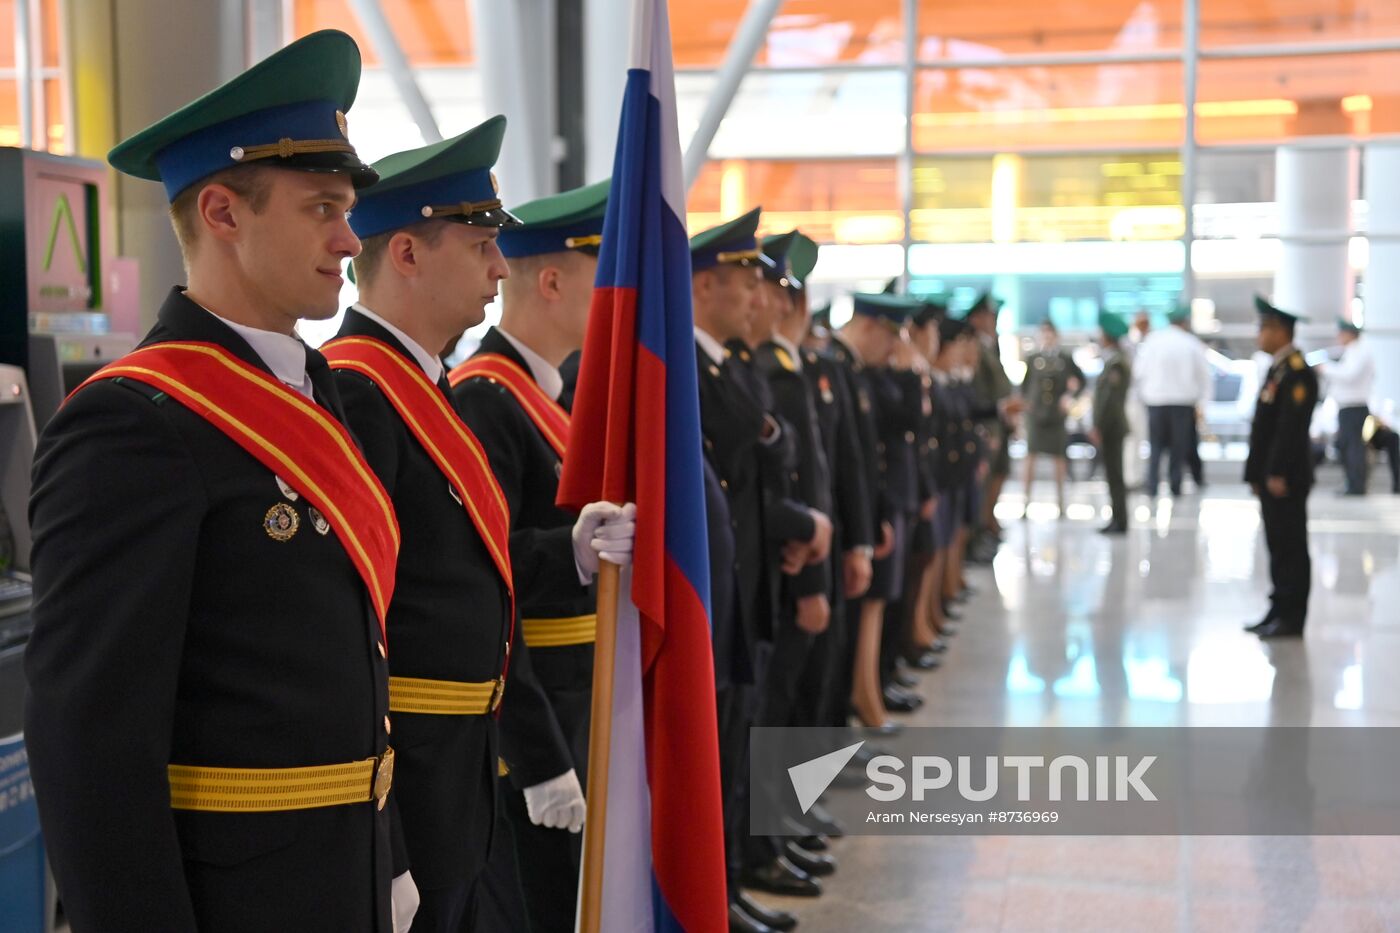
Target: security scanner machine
[26, 890]
[64, 286]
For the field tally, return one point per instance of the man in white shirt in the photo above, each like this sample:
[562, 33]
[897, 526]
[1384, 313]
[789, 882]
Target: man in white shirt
[1349, 382]
[1173, 379]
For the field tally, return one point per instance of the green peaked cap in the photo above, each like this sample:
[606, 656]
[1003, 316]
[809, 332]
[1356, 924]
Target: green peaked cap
[732, 242]
[1267, 309]
[1113, 325]
[298, 94]
[451, 180]
[569, 220]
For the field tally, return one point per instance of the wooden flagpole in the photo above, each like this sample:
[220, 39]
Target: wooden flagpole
[599, 749]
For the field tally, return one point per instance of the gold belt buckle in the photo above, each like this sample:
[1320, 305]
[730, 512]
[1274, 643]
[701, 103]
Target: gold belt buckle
[383, 778]
[497, 692]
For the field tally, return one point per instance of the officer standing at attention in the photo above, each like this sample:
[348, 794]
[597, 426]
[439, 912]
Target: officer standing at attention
[992, 389]
[1280, 470]
[1052, 379]
[1349, 382]
[1111, 416]
[748, 450]
[207, 718]
[509, 392]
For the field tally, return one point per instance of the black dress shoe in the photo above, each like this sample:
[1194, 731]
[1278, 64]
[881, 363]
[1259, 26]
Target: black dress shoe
[1281, 628]
[886, 728]
[816, 864]
[904, 679]
[816, 843]
[1261, 624]
[949, 614]
[1112, 529]
[866, 752]
[741, 921]
[781, 877]
[828, 824]
[899, 700]
[775, 918]
[947, 630]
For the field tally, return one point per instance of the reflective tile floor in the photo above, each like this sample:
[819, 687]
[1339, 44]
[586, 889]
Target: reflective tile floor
[1072, 628]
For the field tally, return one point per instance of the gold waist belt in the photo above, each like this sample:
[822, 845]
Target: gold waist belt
[556, 633]
[262, 790]
[444, 697]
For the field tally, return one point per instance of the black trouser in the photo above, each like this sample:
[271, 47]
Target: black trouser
[792, 655]
[1351, 421]
[1388, 441]
[1170, 430]
[1111, 453]
[446, 910]
[1290, 566]
[734, 712]
[1193, 454]
[500, 901]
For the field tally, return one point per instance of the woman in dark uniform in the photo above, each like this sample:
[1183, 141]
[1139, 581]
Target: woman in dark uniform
[1052, 380]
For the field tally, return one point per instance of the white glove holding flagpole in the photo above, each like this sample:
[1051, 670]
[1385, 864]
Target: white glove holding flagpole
[557, 803]
[605, 531]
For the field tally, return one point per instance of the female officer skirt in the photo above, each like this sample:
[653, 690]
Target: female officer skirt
[951, 510]
[1046, 434]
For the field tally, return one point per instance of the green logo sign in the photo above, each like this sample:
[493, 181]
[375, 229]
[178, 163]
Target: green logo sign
[63, 212]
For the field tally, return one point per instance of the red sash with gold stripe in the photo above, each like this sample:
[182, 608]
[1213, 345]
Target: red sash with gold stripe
[436, 426]
[547, 414]
[291, 436]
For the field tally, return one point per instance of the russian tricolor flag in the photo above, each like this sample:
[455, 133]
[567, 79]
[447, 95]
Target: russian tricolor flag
[635, 437]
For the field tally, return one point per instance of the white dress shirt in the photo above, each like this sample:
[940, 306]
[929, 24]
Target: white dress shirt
[712, 347]
[546, 375]
[428, 362]
[1170, 368]
[1351, 379]
[284, 354]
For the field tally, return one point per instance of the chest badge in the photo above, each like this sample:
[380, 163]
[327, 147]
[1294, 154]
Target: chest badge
[287, 491]
[825, 385]
[318, 521]
[281, 522]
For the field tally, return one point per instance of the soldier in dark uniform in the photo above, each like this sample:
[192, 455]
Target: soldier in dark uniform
[993, 391]
[508, 393]
[1280, 470]
[827, 685]
[1052, 380]
[871, 338]
[1111, 416]
[208, 685]
[750, 452]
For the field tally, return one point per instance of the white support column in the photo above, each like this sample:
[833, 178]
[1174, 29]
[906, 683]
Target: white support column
[518, 81]
[1315, 186]
[1382, 319]
[607, 34]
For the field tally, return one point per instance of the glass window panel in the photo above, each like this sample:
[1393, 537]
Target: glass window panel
[380, 124]
[1283, 98]
[975, 29]
[432, 32]
[51, 26]
[7, 33]
[1245, 22]
[9, 113]
[1061, 107]
[1048, 199]
[846, 201]
[59, 141]
[804, 32]
[803, 114]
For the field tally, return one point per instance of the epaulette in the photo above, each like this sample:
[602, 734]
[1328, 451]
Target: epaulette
[1297, 361]
[784, 359]
[152, 394]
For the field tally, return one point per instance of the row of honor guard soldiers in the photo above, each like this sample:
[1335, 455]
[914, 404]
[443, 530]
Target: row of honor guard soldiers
[279, 592]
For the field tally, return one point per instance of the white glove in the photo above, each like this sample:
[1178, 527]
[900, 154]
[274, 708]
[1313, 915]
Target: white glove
[403, 898]
[606, 531]
[557, 803]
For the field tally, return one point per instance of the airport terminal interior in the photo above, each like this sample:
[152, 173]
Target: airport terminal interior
[1163, 163]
